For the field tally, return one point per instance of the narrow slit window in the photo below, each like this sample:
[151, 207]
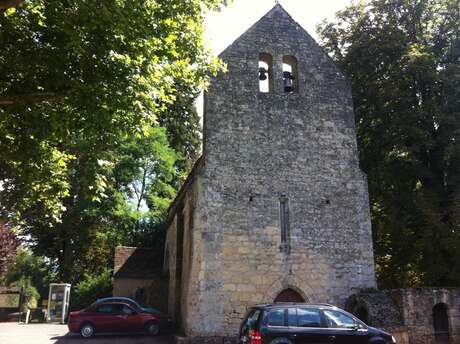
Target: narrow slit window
[265, 73]
[290, 74]
[284, 219]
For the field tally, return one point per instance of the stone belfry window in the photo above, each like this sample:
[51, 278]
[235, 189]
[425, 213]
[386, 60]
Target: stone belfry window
[265, 73]
[290, 74]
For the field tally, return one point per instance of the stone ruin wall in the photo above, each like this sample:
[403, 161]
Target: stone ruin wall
[408, 313]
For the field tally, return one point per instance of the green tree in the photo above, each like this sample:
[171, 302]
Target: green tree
[145, 170]
[91, 287]
[9, 243]
[183, 125]
[403, 59]
[31, 272]
[139, 175]
[29, 292]
[77, 79]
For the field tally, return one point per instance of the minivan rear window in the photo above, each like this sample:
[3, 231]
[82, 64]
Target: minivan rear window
[252, 318]
[276, 317]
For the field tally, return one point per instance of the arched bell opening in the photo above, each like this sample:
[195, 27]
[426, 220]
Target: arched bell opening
[289, 295]
[290, 74]
[265, 73]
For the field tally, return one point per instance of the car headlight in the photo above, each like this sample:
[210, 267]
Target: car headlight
[393, 339]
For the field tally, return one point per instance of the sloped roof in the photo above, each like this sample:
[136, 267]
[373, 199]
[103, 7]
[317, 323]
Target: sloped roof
[137, 263]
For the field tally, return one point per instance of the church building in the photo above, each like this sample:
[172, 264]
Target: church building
[277, 208]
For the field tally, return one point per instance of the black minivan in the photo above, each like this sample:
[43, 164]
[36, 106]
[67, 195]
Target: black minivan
[300, 323]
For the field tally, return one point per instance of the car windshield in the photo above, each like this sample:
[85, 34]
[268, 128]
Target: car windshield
[337, 319]
[120, 299]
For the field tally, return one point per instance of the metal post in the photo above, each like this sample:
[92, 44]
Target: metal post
[48, 318]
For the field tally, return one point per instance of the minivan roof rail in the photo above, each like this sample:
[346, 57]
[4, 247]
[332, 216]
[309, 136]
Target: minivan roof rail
[293, 303]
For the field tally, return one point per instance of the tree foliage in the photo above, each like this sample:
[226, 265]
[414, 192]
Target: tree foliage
[90, 288]
[30, 272]
[79, 80]
[403, 59]
[8, 248]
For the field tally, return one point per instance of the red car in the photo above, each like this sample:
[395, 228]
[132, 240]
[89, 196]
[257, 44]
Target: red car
[116, 317]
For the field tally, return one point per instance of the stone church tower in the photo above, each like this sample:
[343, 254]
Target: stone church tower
[277, 207]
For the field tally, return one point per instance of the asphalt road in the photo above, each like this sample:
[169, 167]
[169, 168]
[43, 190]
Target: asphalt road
[13, 333]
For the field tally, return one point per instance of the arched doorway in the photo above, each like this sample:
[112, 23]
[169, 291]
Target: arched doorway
[289, 295]
[441, 323]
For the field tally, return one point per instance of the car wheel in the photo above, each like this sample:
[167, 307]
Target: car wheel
[281, 341]
[152, 328]
[87, 331]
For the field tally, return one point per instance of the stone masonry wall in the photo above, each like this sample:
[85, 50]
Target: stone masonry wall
[381, 309]
[170, 266]
[180, 282]
[257, 148]
[418, 306]
[132, 280]
[408, 313]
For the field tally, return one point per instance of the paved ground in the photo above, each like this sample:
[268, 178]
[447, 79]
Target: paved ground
[13, 333]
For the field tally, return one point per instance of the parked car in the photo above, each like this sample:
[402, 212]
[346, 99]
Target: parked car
[300, 323]
[131, 302]
[116, 316]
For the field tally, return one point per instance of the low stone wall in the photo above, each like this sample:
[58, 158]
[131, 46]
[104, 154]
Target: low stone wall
[419, 316]
[376, 308]
[413, 316]
[401, 334]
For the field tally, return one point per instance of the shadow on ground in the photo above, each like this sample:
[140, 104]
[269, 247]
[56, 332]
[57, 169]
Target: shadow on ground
[71, 338]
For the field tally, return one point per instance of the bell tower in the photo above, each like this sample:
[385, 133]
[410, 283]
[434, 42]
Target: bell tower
[282, 173]
[280, 207]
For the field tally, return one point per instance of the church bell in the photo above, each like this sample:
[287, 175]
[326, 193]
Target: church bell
[263, 74]
[288, 79]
